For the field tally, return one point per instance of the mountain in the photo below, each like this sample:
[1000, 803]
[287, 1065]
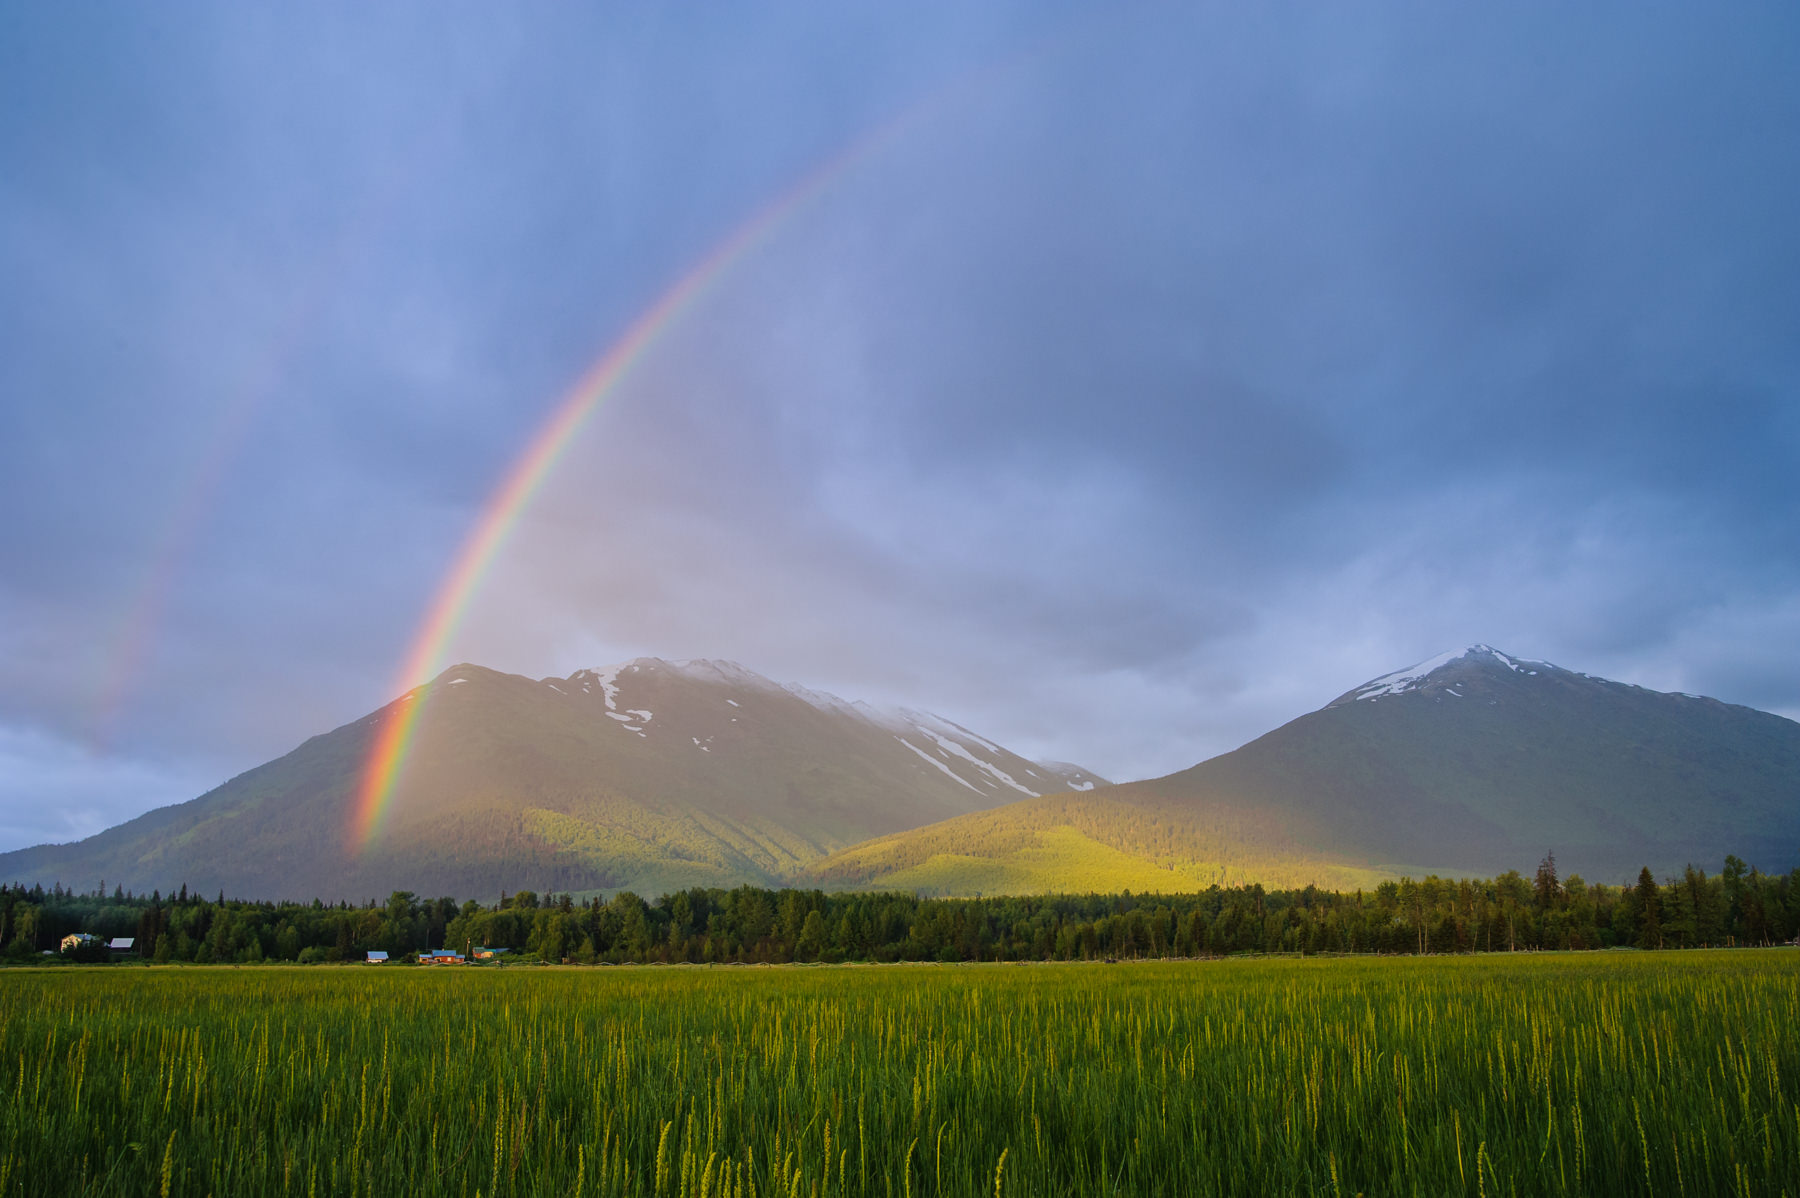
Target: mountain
[1471, 763]
[649, 776]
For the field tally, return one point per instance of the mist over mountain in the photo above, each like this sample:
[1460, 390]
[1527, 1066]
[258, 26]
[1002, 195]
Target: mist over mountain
[651, 776]
[1473, 762]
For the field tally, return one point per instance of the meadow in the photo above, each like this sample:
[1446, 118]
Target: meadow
[1620, 1073]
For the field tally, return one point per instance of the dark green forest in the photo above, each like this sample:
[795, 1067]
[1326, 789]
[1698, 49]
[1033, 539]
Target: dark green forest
[1738, 906]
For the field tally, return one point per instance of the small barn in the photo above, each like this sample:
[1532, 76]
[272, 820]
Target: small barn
[375, 957]
[122, 944]
[441, 956]
[484, 953]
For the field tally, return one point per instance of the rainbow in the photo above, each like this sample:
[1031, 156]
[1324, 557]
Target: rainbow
[501, 514]
[387, 758]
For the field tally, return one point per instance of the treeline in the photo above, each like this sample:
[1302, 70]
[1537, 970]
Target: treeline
[1738, 906]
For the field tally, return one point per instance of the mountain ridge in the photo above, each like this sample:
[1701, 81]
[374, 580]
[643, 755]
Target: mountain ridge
[1471, 762]
[654, 775]
[647, 775]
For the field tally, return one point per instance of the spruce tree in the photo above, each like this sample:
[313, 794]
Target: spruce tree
[1544, 886]
[1649, 910]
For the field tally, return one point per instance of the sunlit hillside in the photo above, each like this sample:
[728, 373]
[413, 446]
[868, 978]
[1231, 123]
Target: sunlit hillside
[1099, 843]
[1473, 764]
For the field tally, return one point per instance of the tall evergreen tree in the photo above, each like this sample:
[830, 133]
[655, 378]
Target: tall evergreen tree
[1544, 886]
[1649, 911]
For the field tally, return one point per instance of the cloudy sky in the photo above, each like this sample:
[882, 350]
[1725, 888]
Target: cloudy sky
[1129, 381]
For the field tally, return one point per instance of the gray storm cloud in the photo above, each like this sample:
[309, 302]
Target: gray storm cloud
[1169, 374]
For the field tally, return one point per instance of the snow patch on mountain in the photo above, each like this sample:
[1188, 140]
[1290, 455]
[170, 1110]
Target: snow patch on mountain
[1401, 681]
[925, 721]
[998, 774]
[1414, 677]
[940, 765]
[606, 679]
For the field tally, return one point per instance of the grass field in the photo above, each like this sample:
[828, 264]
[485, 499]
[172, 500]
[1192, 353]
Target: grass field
[1668, 1073]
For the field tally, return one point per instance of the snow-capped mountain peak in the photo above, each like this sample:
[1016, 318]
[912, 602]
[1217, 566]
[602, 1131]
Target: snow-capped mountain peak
[1417, 677]
[708, 707]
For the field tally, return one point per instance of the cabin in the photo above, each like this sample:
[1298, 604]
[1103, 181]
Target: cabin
[122, 944]
[441, 956]
[75, 940]
[484, 953]
[375, 957]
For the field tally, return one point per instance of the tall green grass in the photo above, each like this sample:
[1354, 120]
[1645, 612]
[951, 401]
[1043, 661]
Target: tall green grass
[1668, 1074]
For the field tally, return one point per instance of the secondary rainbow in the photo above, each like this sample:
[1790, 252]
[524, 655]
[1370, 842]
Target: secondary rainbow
[388, 758]
[134, 638]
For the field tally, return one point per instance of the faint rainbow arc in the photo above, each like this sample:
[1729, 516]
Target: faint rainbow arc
[177, 540]
[388, 757]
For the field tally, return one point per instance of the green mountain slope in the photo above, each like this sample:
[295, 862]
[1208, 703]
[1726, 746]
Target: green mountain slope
[1472, 763]
[650, 776]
